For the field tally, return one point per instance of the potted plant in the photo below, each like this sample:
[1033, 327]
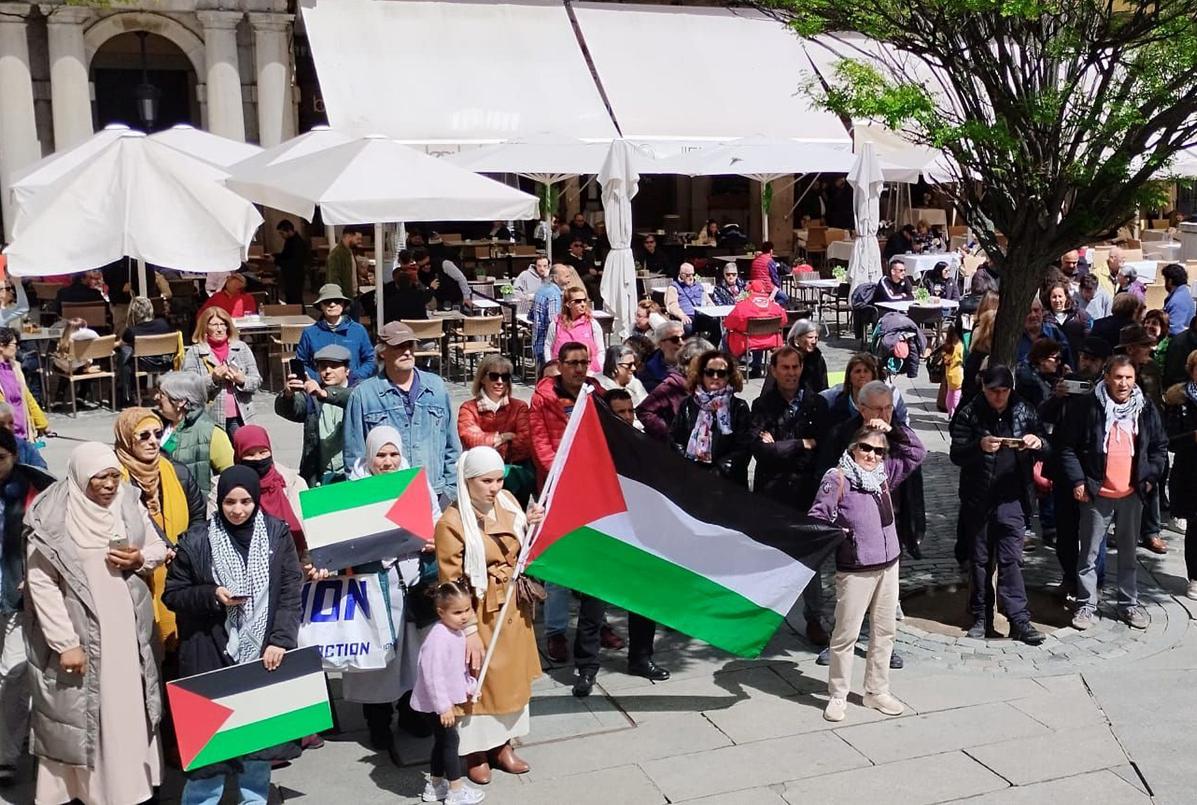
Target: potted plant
[922, 297]
[840, 273]
[507, 290]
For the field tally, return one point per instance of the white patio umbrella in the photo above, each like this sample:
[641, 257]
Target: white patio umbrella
[374, 180]
[866, 180]
[28, 184]
[211, 148]
[765, 160]
[141, 199]
[620, 181]
[545, 159]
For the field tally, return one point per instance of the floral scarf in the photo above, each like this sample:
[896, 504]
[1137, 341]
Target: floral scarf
[869, 481]
[713, 406]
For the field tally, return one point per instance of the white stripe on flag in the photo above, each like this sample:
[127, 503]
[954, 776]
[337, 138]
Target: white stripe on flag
[653, 523]
[360, 521]
[284, 697]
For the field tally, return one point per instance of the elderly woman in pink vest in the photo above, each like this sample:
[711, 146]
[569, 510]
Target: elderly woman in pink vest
[576, 324]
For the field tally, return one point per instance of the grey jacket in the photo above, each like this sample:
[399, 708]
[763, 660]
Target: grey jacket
[66, 710]
[199, 359]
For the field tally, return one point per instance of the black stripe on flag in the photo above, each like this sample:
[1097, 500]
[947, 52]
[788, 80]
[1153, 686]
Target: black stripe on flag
[706, 496]
[253, 675]
[370, 548]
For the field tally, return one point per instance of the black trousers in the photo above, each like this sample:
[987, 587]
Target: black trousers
[1191, 548]
[445, 761]
[641, 633]
[997, 537]
[1068, 536]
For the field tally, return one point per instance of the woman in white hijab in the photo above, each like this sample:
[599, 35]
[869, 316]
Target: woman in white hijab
[90, 636]
[482, 546]
[379, 690]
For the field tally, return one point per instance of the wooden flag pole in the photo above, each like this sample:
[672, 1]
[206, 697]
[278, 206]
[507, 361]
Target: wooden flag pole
[550, 484]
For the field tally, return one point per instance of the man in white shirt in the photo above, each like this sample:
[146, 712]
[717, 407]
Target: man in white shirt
[532, 278]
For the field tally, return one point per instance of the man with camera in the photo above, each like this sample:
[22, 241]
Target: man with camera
[995, 442]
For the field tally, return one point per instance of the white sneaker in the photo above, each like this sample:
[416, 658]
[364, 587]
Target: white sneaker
[899, 615]
[1192, 591]
[435, 792]
[464, 796]
[835, 709]
[885, 703]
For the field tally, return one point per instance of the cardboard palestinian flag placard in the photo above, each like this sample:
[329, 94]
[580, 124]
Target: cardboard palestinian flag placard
[363, 521]
[635, 524]
[244, 708]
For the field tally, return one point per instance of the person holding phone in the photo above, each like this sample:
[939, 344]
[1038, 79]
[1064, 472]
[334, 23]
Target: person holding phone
[996, 439]
[235, 590]
[228, 367]
[90, 635]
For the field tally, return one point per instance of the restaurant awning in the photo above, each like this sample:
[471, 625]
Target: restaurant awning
[453, 72]
[708, 73]
[465, 71]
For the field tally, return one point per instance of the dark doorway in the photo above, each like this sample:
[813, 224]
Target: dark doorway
[116, 72]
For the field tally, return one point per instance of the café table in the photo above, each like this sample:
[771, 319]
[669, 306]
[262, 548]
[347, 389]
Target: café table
[840, 250]
[946, 305]
[918, 264]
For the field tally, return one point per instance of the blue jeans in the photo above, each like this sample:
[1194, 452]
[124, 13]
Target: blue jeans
[556, 609]
[1096, 516]
[253, 784]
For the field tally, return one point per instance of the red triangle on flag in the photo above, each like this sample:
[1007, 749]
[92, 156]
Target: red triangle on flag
[197, 718]
[413, 508]
[587, 488]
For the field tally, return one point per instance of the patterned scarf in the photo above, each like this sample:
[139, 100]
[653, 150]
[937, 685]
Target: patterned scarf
[870, 481]
[245, 624]
[713, 406]
[1125, 415]
[488, 406]
[1191, 391]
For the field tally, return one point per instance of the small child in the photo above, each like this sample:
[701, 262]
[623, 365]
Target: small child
[442, 681]
[953, 368]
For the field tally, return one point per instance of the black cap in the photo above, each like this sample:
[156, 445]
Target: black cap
[997, 377]
[1097, 347]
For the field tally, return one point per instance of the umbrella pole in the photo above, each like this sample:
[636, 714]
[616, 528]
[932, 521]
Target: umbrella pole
[379, 249]
[143, 281]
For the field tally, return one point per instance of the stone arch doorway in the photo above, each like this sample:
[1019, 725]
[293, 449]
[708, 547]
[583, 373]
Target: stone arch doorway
[115, 73]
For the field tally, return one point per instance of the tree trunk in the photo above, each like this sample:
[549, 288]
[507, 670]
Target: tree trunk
[1021, 274]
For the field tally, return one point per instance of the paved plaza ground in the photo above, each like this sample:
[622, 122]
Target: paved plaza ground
[1101, 717]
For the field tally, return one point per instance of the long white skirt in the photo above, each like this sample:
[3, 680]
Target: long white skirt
[388, 684]
[482, 733]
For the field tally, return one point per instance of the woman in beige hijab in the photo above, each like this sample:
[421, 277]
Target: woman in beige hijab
[91, 634]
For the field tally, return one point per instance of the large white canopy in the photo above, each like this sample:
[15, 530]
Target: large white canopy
[134, 198]
[30, 182]
[454, 72]
[545, 158]
[710, 73]
[866, 180]
[375, 179]
[765, 159]
[204, 145]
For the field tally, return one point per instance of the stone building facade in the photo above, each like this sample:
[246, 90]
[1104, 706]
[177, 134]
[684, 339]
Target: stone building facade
[66, 70]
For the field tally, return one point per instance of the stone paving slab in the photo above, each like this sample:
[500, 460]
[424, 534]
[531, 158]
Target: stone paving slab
[698, 695]
[1062, 754]
[751, 765]
[936, 778]
[928, 693]
[751, 796]
[763, 718]
[622, 784]
[1097, 788]
[913, 736]
[661, 737]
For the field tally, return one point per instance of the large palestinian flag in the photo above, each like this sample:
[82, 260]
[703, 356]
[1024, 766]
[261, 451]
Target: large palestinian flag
[245, 708]
[633, 523]
[362, 521]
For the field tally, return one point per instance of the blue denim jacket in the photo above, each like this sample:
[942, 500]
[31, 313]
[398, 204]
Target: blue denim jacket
[429, 436]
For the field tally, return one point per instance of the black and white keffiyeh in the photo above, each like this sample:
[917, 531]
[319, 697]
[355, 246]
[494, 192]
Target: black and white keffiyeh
[246, 624]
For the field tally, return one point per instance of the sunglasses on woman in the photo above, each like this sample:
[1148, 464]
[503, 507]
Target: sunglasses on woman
[869, 448]
[630, 366]
[146, 435]
[495, 377]
[719, 373]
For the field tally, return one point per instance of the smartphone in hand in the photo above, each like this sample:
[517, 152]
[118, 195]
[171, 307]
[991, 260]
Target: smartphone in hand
[118, 543]
[295, 367]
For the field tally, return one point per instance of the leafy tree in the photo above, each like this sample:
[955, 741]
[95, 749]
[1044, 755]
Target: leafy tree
[1058, 113]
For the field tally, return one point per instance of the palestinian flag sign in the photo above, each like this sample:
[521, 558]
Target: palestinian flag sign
[363, 521]
[243, 709]
[631, 522]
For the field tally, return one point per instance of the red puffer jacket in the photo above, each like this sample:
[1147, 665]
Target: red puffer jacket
[547, 417]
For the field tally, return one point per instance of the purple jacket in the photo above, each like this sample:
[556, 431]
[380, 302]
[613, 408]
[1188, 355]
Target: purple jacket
[657, 411]
[870, 544]
[442, 679]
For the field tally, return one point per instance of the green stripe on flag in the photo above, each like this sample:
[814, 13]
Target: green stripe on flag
[264, 734]
[335, 498]
[607, 568]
